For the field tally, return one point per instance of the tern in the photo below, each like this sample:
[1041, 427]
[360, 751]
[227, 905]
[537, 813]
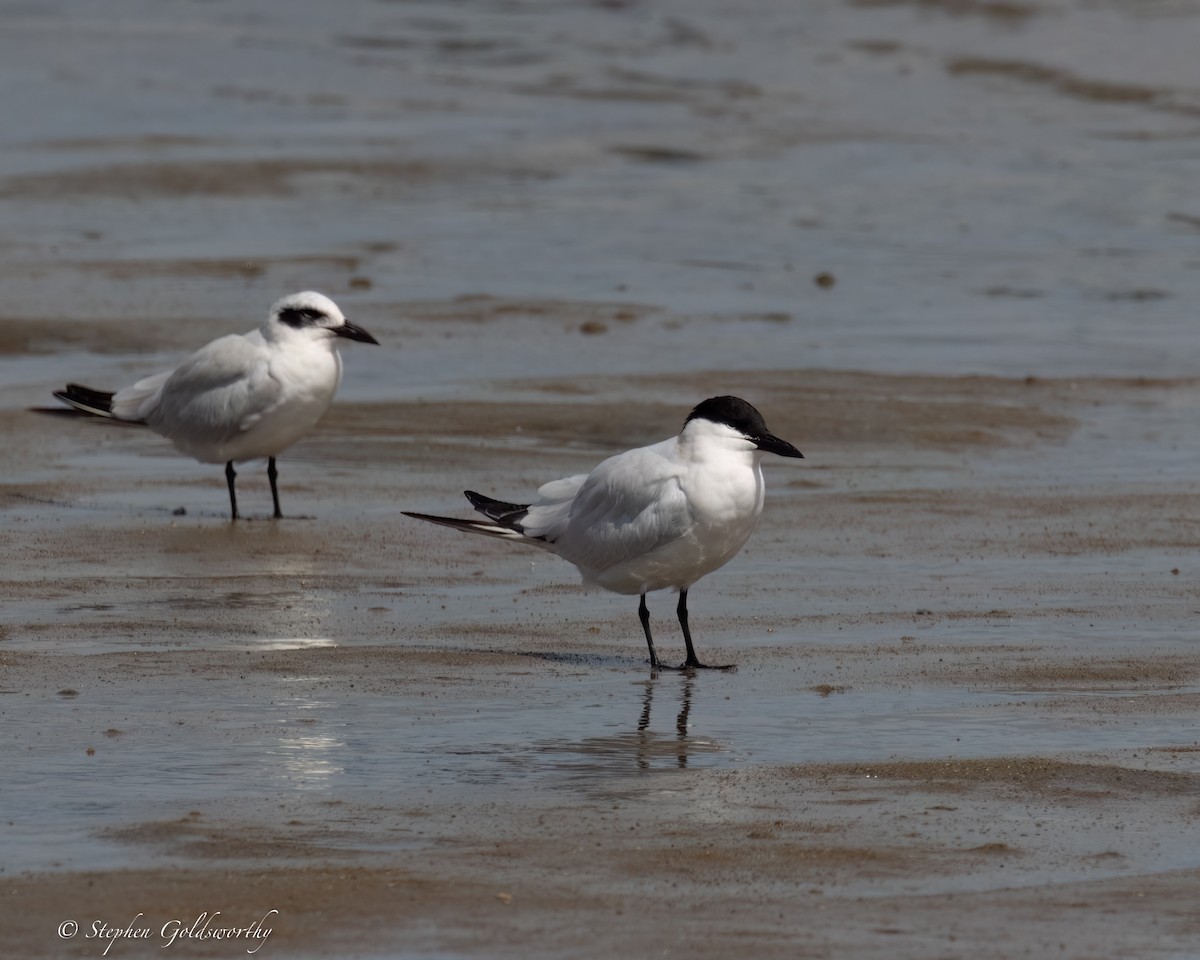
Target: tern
[242, 396]
[653, 518]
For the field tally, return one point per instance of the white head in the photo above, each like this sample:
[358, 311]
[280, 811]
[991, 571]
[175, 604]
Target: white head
[733, 421]
[311, 316]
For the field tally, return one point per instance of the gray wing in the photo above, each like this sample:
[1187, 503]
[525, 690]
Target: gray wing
[218, 392]
[135, 402]
[627, 506]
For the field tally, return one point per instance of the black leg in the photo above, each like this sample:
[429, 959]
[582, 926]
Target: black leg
[681, 612]
[692, 660]
[272, 473]
[644, 616]
[229, 475]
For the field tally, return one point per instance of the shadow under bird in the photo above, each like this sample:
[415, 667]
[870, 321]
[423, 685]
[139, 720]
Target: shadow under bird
[654, 518]
[242, 396]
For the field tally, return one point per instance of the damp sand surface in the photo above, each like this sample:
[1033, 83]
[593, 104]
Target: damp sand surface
[963, 712]
[947, 248]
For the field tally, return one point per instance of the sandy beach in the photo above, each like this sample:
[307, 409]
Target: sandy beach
[947, 249]
[960, 723]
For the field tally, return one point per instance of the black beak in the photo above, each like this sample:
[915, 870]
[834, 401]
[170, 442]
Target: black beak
[354, 332]
[772, 444]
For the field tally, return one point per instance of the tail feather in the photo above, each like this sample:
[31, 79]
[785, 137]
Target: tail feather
[472, 526]
[95, 403]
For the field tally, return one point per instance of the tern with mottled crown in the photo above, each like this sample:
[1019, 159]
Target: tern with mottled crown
[242, 396]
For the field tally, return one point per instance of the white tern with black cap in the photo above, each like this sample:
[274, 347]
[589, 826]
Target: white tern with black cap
[654, 518]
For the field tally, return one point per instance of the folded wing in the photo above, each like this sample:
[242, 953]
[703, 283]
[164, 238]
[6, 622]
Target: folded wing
[220, 391]
[626, 507]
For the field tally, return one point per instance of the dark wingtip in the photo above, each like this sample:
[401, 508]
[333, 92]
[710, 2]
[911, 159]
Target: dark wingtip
[502, 512]
[85, 400]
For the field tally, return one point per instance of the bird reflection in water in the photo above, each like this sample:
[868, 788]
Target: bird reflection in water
[637, 750]
[651, 745]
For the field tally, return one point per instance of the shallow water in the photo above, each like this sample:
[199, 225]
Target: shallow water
[992, 195]
[593, 730]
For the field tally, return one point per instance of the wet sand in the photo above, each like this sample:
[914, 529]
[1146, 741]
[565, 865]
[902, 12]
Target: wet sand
[947, 248]
[960, 725]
